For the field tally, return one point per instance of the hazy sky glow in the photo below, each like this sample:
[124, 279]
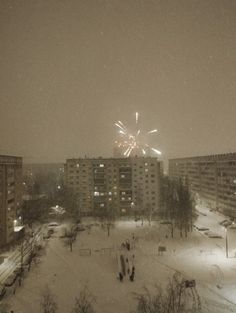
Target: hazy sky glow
[70, 69]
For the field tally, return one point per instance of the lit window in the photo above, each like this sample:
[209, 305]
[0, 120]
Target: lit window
[110, 193]
[77, 165]
[96, 193]
[123, 193]
[101, 165]
[101, 205]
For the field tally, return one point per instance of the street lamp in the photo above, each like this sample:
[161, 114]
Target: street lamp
[226, 239]
[132, 207]
[226, 242]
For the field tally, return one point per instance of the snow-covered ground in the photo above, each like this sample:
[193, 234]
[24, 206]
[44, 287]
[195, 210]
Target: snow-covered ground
[66, 273]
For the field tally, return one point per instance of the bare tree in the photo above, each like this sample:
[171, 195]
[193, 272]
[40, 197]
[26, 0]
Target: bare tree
[48, 303]
[185, 208]
[70, 236]
[107, 218]
[139, 209]
[84, 303]
[180, 296]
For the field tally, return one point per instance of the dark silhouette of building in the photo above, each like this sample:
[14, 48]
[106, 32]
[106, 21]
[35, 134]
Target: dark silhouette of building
[10, 197]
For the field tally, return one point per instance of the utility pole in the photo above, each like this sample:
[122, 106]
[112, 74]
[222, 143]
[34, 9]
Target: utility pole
[226, 242]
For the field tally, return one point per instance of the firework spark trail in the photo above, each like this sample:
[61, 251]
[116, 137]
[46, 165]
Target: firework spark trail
[152, 131]
[133, 144]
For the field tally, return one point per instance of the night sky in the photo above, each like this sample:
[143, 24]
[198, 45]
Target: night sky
[69, 69]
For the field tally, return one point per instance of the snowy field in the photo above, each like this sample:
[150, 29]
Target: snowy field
[66, 273]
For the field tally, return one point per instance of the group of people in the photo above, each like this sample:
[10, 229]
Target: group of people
[131, 275]
[126, 245]
[125, 264]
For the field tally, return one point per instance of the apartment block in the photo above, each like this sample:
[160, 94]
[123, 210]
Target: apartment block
[10, 196]
[116, 185]
[212, 178]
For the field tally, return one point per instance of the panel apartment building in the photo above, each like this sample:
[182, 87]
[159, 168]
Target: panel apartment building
[10, 196]
[115, 184]
[212, 178]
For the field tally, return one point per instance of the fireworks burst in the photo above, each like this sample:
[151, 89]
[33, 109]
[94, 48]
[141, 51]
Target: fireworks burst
[134, 143]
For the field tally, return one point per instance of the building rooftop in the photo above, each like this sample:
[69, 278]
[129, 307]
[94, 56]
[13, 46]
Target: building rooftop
[223, 156]
[8, 159]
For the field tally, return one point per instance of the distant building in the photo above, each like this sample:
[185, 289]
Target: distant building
[10, 197]
[211, 178]
[118, 184]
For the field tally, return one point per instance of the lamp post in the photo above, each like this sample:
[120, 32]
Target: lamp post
[132, 207]
[226, 243]
[226, 239]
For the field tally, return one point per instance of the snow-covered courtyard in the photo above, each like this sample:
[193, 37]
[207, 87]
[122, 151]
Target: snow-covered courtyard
[66, 273]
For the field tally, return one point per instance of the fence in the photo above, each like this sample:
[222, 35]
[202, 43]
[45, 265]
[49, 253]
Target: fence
[85, 252]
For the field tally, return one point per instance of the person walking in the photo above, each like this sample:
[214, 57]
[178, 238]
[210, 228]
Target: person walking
[120, 276]
[131, 277]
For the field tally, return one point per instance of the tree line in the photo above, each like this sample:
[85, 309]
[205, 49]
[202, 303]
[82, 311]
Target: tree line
[178, 206]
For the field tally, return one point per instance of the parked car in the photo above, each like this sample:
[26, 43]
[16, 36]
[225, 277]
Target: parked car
[202, 228]
[10, 280]
[18, 271]
[225, 223]
[80, 227]
[2, 291]
[166, 222]
[53, 224]
[211, 234]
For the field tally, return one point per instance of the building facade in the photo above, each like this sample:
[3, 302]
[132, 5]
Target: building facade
[10, 196]
[211, 178]
[116, 185]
